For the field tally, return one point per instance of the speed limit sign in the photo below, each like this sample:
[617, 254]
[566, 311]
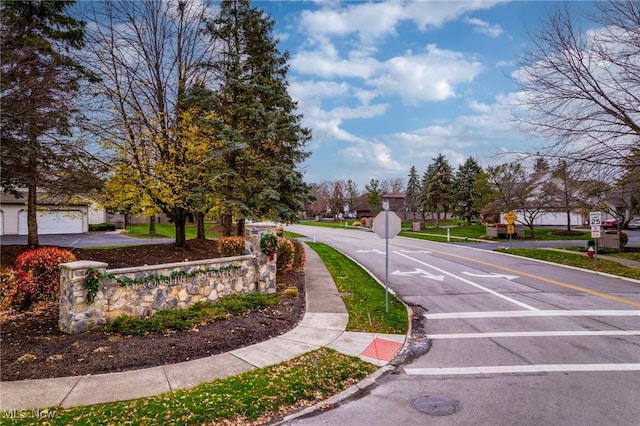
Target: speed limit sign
[595, 218]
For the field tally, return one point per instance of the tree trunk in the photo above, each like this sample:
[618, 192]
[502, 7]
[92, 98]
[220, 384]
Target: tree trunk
[32, 216]
[569, 220]
[200, 226]
[152, 225]
[226, 224]
[240, 228]
[180, 219]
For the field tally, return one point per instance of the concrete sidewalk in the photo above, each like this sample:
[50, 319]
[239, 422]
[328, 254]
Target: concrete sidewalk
[323, 325]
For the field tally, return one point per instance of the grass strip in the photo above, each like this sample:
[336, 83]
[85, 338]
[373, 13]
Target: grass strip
[363, 296]
[254, 397]
[578, 261]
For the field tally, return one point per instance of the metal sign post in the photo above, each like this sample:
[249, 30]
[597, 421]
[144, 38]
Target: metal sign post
[386, 225]
[386, 262]
[510, 218]
[595, 221]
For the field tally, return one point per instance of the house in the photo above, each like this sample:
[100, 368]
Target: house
[395, 201]
[53, 217]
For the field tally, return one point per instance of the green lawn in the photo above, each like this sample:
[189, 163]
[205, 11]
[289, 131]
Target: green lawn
[257, 395]
[168, 230]
[363, 296]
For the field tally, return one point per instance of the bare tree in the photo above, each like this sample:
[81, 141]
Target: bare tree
[351, 194]
[392, 186]
[148, 54]
[566, 188]
[336, 190]
[580, 88]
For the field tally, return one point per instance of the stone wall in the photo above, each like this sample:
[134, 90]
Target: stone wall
[142, 291]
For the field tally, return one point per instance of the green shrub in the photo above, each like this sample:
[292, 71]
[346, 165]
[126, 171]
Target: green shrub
[356, 223]
[185, 319]
[39, 276]
[100, 227]
[286, 255]
[231, 246]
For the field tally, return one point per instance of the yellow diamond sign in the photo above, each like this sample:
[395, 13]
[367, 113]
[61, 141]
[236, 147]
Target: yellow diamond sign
[510, 217]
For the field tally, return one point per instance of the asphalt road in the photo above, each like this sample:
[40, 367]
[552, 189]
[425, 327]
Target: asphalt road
[509, 341]
[97, 239]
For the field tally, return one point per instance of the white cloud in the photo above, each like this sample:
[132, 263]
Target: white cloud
[369, 20]
[325, 62]
[310, 89]
[372, 21]
[482, 27]
[426, 77]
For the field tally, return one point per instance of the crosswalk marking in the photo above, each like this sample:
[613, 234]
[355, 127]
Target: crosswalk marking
[548, 313]
[568, 333]
[505, 369]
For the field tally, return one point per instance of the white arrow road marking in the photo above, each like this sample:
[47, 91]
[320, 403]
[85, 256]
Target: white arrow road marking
[416, 251]
[488, 290]
[421, 272]
[509, 277]
[370, 251]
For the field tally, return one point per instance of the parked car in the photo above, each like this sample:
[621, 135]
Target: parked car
[634, 223]
[610, 223]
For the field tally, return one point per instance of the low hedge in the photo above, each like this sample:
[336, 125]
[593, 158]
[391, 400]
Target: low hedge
[100, 227]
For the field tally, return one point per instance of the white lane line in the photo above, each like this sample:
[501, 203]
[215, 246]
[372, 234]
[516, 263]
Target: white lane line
[503, 369]
[536, 313]
[495, 293]
[534, 334]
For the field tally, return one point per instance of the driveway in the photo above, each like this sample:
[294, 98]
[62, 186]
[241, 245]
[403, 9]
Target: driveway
[97, 239]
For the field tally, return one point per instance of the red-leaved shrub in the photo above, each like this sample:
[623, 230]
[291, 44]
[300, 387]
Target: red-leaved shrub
[231, 246]
[38, 276]
[298, 256]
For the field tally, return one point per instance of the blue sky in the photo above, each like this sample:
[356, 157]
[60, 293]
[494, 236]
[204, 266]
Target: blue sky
[387, 85]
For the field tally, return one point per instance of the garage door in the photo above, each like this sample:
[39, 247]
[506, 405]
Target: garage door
[53, 222]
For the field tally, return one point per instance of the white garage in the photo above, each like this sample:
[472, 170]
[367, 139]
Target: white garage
[54, 222]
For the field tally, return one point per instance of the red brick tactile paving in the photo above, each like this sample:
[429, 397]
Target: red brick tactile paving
[382, 349]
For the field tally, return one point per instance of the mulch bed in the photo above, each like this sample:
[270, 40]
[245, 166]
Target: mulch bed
[32, 347]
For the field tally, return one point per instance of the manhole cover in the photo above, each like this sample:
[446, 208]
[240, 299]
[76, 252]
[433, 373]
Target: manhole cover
[435, 405]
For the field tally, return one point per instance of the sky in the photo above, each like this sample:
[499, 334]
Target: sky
[387, 85]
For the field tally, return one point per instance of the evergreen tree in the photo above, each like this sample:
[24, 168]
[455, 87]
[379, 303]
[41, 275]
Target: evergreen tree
[437, 188]
[374, 196]
[258, 124]
[412, 195]
[467, 189]
[39, 82]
